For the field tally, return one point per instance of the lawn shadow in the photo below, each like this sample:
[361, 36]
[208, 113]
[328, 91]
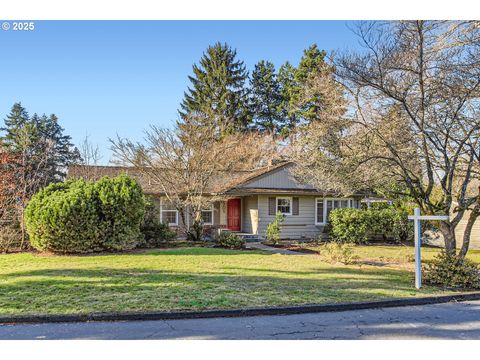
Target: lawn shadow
[137, 289]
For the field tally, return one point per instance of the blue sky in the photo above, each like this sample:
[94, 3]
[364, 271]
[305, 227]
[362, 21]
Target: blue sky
[117, 77]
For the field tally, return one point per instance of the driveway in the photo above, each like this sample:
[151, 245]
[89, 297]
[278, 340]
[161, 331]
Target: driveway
[440, 321]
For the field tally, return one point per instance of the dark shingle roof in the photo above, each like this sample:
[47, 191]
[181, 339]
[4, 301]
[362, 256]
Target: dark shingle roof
[223, 182]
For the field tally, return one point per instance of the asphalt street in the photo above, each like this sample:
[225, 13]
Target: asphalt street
[440, 321]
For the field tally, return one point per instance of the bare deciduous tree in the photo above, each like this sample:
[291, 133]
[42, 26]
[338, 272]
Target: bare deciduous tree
[188, 164]
[89, 157]
[8, 230]
[413, 117]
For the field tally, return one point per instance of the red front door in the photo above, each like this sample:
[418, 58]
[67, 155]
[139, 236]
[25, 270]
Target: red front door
[233, 214]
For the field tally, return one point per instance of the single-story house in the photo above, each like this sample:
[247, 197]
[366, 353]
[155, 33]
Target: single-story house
[250, 201]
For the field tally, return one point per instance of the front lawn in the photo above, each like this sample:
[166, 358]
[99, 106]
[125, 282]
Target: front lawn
[188, 279]
[392, 254]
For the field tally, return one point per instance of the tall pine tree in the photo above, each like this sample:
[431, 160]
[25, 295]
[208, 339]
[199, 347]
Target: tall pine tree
[63, 153]
[218, 94]
[41, 142]
[300, 104]
[288, 88]
[14, 122]
[265, 98]
[311, 65]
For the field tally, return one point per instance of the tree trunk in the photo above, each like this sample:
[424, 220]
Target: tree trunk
[195, 231]
[468, 230]
[448, 232]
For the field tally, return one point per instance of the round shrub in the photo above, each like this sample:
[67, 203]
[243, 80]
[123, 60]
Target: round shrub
[80, 217]
[230, 240]
[453, 272]
[121, 207]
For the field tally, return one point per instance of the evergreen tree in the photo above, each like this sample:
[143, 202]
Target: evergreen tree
[40, 142]
[300, 101]
[14, 122]
[218, 94]
[311, 65]
[63, 152]
[286, 79]
[265, 98]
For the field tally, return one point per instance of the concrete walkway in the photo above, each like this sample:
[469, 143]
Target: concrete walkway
[439, 321]
[260, 246]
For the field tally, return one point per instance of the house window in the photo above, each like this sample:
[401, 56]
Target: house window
[323, 207]
[319, 215]
[168, 213]
[284, 205]
[207, 216]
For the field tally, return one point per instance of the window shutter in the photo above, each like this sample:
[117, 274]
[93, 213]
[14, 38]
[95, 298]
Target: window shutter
[272, 204]
[295, 206]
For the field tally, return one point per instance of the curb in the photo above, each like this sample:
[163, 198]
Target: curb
[286, 310]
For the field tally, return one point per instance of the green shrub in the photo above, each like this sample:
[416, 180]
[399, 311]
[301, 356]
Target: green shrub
[121, 208]
[358, 226]
[230, 240]
[79, 216]
[154, 232]
[349, 225]
[453, 272]
[337, 252]
[274, 229]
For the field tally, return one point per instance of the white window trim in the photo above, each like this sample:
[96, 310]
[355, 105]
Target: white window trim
[325, 220]
[281, 198]
[324, 212]
[211, 210]
[161, 214]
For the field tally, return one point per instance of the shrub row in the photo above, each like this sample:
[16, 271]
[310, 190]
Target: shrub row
[359, 226]
[79, 216]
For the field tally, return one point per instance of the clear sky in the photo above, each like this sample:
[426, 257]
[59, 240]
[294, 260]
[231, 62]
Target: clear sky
[117, 77]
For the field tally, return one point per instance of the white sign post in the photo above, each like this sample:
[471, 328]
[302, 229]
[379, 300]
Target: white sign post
[418, 241]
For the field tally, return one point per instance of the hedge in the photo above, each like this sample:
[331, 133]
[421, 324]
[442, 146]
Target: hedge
[79, 216]
[359, 226]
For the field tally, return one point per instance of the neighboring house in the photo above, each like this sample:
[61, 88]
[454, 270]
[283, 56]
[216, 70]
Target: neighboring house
[250, 201]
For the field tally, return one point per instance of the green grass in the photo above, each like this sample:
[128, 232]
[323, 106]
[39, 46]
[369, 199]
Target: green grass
[397, 254]
[188, 279]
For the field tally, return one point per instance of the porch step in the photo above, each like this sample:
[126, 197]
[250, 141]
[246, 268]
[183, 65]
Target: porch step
[250, 237]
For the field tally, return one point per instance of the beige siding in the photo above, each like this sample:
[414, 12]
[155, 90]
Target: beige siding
[295, 226]
[474, 238]
[222, 219]
[216, 213]
[250, 214]
[280, 179]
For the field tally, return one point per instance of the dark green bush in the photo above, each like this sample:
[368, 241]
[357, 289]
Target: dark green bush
[121, 208]
[349, 225]
[453, 272]
[274, 229]
[80, 217]
[154, 232]
[359, 226]
[230, 240]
